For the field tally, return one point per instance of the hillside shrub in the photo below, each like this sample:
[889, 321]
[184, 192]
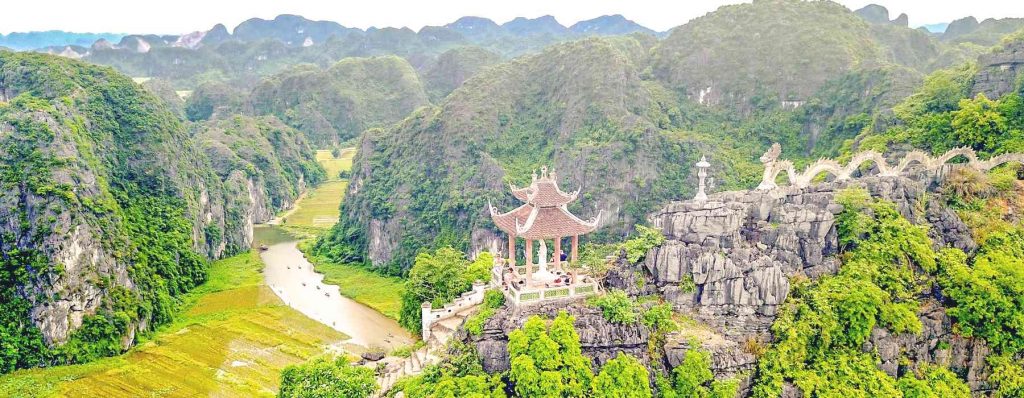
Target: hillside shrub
[322, 378]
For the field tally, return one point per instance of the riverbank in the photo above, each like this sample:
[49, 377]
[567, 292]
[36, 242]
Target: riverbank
[307, 219]
[382, 293]
[233, 339]
[294, 280]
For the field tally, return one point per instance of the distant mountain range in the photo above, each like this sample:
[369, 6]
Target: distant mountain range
[34, 40]
[298, 31]
[963, 30]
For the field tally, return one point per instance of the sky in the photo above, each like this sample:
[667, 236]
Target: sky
[183, 16]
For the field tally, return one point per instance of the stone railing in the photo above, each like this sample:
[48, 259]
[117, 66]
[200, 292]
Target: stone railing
[773, 167]
[520, 294]
[450, 310]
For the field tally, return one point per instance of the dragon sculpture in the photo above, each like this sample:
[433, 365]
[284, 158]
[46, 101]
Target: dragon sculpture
[773, 166]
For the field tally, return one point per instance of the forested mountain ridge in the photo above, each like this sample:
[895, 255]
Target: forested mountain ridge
[609, 123]
[336, 104]
[110, 210]
[579, 107]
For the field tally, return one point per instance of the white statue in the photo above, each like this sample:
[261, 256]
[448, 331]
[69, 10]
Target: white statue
[542, 274]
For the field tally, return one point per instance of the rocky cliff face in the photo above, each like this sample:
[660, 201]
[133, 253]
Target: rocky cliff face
[935, 344]
[728, 261]
[109, 207]
[600, 340]
[1000, 72]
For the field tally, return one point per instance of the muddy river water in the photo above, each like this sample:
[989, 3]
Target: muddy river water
[293, 279]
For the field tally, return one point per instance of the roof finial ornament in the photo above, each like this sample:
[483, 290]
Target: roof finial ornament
[534, 174]
[551, 174]
[543, 172]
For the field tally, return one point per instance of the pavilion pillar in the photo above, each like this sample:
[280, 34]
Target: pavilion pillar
[575, 248]
[512, 250]
[529, 260]
[574, 264]
[558, 253]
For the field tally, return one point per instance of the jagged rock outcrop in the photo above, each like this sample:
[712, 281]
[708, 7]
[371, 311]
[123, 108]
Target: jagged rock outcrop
[600, 339]
[728, 261]
[728, 358]
[936, 344]
[1000, 71]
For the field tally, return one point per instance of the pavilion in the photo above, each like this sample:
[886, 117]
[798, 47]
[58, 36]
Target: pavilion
[543, 216]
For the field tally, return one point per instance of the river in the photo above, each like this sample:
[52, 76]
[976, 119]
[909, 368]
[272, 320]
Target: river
[293, 279]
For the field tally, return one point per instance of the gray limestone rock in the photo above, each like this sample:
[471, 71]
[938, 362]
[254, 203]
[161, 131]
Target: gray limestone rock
[728, 261]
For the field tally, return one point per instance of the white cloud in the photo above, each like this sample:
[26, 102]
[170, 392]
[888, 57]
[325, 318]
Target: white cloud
[182, 16]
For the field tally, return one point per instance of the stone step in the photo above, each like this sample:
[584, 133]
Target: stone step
[452, 323]
[465, 313]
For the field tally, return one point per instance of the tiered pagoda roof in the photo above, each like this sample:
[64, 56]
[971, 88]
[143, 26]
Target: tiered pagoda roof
[543, 214]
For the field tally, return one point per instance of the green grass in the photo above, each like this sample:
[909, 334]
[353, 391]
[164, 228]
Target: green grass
[382, 293]
[374, 290]
[319, 209]
[233, 339]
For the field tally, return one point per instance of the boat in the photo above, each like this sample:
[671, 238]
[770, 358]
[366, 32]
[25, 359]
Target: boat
[263, 248]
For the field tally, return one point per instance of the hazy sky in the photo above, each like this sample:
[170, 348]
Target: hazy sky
[182, 16]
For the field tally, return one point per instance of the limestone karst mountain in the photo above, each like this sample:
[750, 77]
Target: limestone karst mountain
[293, 30]
[608, 25]
[110, 209]
[453, 67]
[581, 106]
[846, 261]
[336, 104]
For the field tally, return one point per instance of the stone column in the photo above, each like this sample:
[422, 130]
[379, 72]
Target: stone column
[574, 260]
[529, 260]
[575, 248]
[558, 253]
[425, 309]
[512, 250]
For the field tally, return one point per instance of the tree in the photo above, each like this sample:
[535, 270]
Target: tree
[979, 124]
[622, 377]
[548, 362]
[439, 278]
[934, 382]
[321, 378]
[693, 379]
[988, 296]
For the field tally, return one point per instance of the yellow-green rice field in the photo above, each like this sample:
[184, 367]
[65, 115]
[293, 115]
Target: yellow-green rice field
[318, 209]
[233, 340]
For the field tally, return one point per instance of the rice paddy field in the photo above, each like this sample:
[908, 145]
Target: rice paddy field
[318, 210]
[232, 340]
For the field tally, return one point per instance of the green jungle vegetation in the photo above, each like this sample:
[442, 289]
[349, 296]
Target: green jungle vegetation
[86, 149]
[438, 278]
[623, 114]
[335, 104]
[233, 337]
[321, 378]
[889, 266]
[547, 361]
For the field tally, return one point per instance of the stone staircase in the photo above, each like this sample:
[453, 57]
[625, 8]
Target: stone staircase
[440, 333]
